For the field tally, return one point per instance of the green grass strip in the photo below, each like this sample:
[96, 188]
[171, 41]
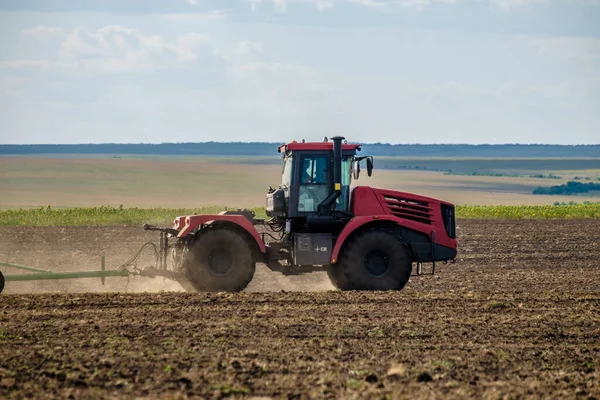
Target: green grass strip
[562, 211]
[48, 216]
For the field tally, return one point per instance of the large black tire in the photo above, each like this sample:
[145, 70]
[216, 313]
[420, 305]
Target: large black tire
[1, 282]
[220, 260]
[373, 260]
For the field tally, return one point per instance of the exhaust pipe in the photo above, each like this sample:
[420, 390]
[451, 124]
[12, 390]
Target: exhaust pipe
[337, 163]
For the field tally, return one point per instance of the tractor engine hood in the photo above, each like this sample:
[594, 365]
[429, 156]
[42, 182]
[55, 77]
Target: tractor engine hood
[421, 212]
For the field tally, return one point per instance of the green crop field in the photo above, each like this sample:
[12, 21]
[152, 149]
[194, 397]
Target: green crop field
[48, 216]
[588, 210]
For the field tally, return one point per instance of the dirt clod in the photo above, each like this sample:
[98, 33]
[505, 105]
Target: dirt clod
[397, 371]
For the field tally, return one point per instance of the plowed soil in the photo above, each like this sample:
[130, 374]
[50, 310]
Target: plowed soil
[516, 316]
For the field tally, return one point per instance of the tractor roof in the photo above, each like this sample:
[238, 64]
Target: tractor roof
[327, 146]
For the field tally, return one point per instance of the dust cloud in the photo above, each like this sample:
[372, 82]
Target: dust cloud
[62, 249]
[266, 280]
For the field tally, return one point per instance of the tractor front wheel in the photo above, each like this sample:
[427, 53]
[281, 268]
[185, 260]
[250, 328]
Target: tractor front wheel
[220, 260]
[373, 260]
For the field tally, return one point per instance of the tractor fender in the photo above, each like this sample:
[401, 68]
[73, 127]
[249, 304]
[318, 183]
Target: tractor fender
[193, 222]
[359, 221]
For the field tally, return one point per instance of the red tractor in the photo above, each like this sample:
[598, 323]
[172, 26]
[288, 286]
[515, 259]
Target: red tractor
[365, 238]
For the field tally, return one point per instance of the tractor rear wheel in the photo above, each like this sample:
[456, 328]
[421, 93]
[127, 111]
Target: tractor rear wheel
[1, 282]
[220, 260]
[373, 260]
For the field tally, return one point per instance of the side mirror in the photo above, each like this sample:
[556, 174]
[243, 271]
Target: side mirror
[369, 166]
[355, 169]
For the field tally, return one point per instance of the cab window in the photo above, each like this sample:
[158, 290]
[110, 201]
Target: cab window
[314, 169]
[313, 182]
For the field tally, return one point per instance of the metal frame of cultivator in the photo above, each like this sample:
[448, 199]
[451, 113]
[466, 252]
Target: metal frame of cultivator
[44, 274]
[124, 270]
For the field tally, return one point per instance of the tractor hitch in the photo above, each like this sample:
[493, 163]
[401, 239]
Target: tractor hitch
[171, 231]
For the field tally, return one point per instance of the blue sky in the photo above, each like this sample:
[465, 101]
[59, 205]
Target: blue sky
[403, 71]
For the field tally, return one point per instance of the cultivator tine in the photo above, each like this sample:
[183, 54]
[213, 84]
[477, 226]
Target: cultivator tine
[102, 267]
[163, 249]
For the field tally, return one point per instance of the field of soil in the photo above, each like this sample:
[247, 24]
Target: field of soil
[517, 316]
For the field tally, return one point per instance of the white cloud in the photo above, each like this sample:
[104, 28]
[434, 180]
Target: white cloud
[280, 6]
[124, 80]
[249, 47]
[196, 17]
[119, 49]
[370, 3]
[254, 4]
[324, 4]
[416, 4]
[583, 52]
[42, 31]
[32, 66]
[510, 4]
[375, 4]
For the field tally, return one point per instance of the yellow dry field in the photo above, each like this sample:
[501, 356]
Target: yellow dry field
[134, 182]
[194, 182]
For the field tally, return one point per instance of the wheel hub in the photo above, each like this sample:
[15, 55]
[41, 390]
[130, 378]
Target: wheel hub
[376, 263]
[219, 261]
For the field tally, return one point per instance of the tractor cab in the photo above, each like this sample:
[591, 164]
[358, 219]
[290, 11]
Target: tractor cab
[315, 186]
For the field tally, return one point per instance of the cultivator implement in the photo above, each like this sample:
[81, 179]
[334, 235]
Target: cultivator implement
[127, 269]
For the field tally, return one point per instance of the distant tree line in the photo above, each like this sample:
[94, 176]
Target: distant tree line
[502, 174]
[573, 203]
[570, 188]
[482, 150]
[269, 149]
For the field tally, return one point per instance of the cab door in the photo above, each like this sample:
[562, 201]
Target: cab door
[313, 180]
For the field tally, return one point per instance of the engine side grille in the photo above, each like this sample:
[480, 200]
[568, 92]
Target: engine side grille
[413, 210]
[449, 220]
